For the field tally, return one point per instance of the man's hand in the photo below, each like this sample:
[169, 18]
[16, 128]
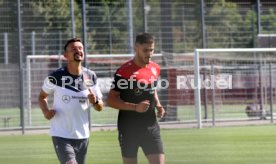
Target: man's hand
[99, 107]
[142, 107]
[43, 104]
[97, 104]
[92, 97]
[160, 111]
[49, 114]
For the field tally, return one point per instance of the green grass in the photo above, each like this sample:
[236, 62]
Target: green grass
[109, 116]
[221, 145]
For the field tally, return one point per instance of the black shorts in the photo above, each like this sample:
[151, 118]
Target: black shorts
[149, 140]
[70, 149]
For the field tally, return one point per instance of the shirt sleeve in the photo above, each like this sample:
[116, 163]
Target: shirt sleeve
[115, 83]
[95, 88]
[97, 91]
[49, 84]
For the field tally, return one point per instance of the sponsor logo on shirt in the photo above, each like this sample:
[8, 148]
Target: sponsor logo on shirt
[81, 99]
[138, 91]
[66, 99]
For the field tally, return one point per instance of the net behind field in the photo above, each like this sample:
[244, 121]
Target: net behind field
[39, 67]
[247, 90]
[237, 86]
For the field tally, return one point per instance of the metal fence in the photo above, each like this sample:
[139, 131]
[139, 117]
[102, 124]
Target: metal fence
[179, 26]
[235, 83]
[31, 27]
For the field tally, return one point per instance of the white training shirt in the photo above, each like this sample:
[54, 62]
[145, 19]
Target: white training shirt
[71, 102]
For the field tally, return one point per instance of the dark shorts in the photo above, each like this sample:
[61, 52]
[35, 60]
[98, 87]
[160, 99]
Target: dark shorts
[70, 149]
[149, 140]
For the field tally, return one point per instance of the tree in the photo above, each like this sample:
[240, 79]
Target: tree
[55, 22]
[105, 24]
[108, 21]
[186, 29]
[269, 22]
[249, 26]
[58, 19]
[223, 25]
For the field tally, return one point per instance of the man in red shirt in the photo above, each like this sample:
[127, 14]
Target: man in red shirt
[134, 94]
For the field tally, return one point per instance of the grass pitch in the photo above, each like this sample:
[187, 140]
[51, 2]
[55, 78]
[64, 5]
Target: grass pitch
[221, 145]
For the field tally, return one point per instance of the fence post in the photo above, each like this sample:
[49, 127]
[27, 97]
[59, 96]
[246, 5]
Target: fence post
[6, 48]
[213, 95]
[84, 41]
[130, 26]
[271, 92]
[21, 70]
[259, 17]
[72, 18]
[29, 88]
[146, 11]
[262, 92]
[33, 42]
[60, 49]
[197, 90]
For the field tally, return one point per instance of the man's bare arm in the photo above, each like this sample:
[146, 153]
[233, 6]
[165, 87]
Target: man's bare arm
[114, 101]
[43, 103]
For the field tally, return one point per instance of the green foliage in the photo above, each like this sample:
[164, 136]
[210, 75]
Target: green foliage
[105, 25]
[187, 26]
[249, 26]
[225, 20]
[57, 15]
[269, 22]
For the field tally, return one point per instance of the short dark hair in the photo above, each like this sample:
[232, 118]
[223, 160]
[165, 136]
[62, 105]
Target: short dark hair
[143, 38]
[71, 41]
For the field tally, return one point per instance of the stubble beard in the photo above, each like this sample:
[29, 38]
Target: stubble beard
[77, 58]
[147, 60]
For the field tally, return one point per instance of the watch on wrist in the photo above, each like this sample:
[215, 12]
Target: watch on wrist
[97, 102]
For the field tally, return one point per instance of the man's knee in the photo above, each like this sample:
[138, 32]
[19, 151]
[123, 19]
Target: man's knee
[156, 158]
[71, 161]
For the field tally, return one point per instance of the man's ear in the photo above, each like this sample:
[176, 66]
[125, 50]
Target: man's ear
[65, 55]
[135, 47]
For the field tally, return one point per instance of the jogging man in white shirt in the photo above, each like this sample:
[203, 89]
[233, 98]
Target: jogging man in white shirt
[74, 88]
